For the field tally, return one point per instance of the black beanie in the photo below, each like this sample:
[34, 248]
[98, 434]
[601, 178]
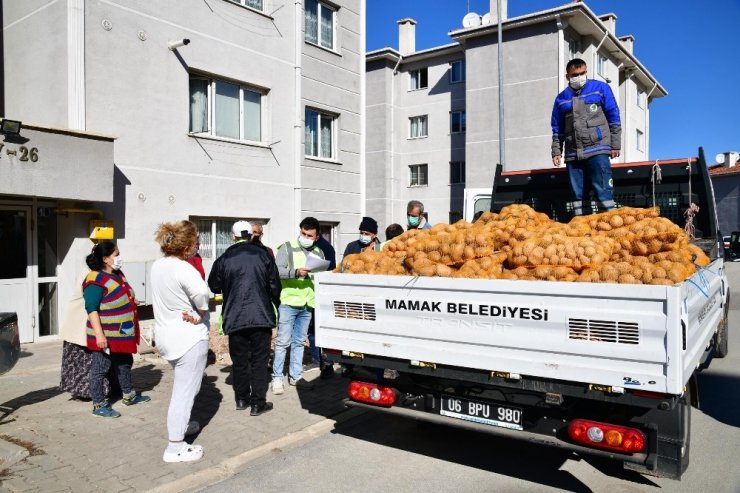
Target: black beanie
[369, 224]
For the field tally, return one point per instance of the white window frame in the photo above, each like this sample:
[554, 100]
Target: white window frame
[601, 65]
[640, 98]
[574, 47]
[461, 62]
[418, 167]
[320, 6]
[212, 81]
[418, 72]
[243, 3]
[419, 119]
[460, 172]
[463, 122]
[333, 118]
[640, 140]
[228, 222]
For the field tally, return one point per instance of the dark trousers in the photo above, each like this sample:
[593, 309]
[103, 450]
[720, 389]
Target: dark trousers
[250, 351]
[100, 364]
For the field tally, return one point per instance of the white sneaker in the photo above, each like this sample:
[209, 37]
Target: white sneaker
[277, 386]
[187, 453]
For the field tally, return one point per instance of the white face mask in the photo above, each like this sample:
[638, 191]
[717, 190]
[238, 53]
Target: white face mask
[577, 82]
[366, 239]
[305, 242]
[117, 263]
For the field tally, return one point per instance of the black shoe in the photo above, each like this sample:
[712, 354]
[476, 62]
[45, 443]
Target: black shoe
[258, 409]
[327, 372]
[241, 405]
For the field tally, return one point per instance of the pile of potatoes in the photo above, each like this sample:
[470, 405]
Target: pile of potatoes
[627, 246]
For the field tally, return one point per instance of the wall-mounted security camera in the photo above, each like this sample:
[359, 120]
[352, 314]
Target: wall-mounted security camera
[173, 45]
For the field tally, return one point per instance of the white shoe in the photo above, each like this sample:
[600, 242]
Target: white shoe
[193, 428]
[187, 453]
[277, 386]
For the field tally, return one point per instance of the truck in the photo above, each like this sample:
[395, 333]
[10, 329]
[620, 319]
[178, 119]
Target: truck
[598, 369]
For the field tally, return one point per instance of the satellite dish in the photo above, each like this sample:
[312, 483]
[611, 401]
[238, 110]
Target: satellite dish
[720, 158]
[486, 19]
[471, 20]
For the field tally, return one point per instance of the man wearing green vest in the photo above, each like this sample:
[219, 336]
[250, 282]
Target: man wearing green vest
[296, 304]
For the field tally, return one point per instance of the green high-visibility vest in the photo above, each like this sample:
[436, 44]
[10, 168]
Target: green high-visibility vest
[297, 292]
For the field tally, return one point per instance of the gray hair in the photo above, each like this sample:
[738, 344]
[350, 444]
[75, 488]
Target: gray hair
[413, 204]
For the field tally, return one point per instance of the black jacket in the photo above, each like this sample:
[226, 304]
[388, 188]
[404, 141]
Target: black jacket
[249, 281]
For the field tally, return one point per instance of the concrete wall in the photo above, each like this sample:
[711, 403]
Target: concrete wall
[727, 197]
[379, 152]
[331, 190]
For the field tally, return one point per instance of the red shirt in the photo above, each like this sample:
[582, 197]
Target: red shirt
[197, 262]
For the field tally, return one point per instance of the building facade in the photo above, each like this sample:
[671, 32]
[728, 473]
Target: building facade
[214, 111]
[433, 119]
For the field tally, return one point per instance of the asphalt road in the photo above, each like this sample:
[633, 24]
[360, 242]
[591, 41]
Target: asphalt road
[376, 452]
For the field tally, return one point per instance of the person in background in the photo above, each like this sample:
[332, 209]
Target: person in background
[368, 239]
[249, 280]
[391, 232]
[585, 121]
[257, 233]
[477, 215]
[112, 327]
[197, 261]
[296, 304]
[415, 217]
[180, 303]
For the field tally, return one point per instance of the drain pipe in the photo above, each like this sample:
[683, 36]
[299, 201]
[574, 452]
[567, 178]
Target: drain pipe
[596, 52]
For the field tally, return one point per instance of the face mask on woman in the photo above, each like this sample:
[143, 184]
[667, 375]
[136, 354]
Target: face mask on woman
[117, 262]
[305, 242]
[366, 239]
[413, 221]
[577, 82]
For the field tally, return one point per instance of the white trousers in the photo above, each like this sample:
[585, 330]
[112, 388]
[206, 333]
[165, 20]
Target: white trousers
[188, 376]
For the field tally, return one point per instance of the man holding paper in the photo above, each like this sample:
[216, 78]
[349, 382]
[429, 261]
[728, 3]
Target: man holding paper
[296, 260]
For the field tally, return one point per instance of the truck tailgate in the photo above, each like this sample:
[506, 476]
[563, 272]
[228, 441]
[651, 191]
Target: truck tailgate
[606, 334]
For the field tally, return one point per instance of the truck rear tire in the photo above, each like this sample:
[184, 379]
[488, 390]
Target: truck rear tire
[721, 347]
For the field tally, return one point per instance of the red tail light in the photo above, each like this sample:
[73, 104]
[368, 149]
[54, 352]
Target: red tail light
[606, 436]
[371, 394]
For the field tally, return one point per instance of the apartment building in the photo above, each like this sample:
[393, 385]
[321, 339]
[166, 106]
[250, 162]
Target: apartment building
[433, 114]
[142, 112]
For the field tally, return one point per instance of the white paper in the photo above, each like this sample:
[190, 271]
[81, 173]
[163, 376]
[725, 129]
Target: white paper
[315, 263]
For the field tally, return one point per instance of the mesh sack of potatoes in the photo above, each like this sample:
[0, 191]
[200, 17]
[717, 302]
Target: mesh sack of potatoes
[522, 211]
[541, 273]
[616, 218]
[639, 271]
[371, 262]
[489, 267]
[485, 218]
[452, 248]
[424, 267]
[558, 249]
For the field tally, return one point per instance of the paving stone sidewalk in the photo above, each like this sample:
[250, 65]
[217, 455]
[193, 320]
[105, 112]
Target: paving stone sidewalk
[71, 450]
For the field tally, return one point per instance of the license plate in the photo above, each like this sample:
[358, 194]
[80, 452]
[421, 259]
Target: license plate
[481, 412]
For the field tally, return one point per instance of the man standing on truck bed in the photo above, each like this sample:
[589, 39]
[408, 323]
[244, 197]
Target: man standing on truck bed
[585, 119]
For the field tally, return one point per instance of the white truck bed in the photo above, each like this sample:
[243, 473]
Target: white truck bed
[618, 335]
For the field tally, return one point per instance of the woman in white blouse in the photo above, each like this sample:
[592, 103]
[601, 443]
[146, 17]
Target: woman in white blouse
[180, 299]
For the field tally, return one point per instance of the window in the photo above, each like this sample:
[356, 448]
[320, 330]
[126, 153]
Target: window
[457, 71]
[319, 19]
[417, 127]
[319, 134]
[418, 79]
[639, 140]
[254, 4]
[601, 65]
[640, 98]
[574, 48]
[457, 172]
[214, 234]
[457, 122]
[225, 109]
[418, 175]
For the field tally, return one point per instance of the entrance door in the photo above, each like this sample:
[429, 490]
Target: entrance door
[16, 283]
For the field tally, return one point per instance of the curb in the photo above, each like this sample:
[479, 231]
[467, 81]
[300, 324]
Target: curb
[233, 465]
[11, 453]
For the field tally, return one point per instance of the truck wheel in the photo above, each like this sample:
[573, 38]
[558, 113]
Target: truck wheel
[721, 348]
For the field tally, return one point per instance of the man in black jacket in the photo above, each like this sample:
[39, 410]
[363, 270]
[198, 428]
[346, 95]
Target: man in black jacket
[250, 283]
[368, 239]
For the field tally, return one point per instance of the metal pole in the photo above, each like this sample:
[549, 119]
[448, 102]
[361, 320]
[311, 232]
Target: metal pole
[501, 133]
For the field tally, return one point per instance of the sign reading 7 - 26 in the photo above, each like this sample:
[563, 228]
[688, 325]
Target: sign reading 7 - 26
[24, 153]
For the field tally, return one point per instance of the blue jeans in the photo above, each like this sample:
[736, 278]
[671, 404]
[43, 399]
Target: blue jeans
[588, 174]
[292, 330]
